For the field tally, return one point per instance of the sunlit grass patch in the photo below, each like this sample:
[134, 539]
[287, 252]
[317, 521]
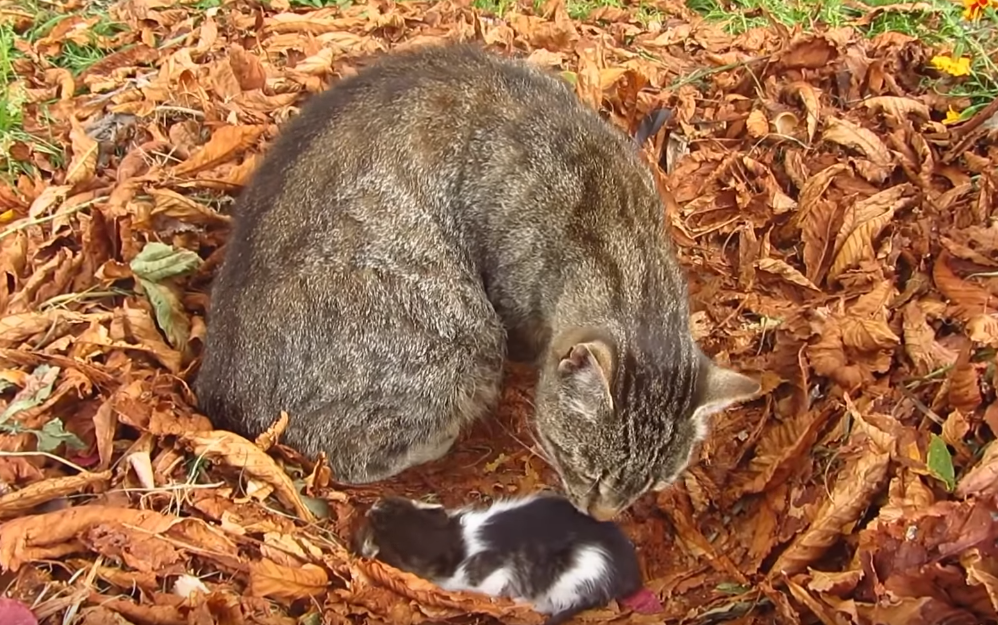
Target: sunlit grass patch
[87, 46]
[965, 32]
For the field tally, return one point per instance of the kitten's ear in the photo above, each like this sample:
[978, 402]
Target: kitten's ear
[721, 388]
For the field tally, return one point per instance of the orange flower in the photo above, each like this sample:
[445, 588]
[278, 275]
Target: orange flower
[972, 9]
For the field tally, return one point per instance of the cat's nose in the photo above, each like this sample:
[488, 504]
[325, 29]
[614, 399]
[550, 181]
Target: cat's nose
[603, 512]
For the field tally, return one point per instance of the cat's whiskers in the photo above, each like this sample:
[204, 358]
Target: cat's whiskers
[529, 448]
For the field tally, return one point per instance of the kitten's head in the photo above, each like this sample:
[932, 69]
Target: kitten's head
[616, 425]
[421, 538]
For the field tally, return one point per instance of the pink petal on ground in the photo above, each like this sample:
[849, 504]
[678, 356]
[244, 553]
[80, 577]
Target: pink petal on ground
[643, 601]
[14, 612]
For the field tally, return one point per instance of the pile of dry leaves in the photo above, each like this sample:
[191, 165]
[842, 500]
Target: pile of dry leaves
[841, 242]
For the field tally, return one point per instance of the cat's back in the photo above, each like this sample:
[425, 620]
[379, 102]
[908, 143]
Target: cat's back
[386, 152]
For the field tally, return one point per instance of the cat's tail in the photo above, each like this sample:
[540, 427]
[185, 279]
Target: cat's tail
[651, 124]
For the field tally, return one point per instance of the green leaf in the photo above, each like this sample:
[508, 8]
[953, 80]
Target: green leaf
[169, 313]
[940, 462]
[158, 261]
[154, 264]
[731, 588]
[43, 373]
[54, 434]
[319, 507]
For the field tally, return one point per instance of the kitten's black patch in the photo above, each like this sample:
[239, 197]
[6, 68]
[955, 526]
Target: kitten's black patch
[423, 541]
[542, 539]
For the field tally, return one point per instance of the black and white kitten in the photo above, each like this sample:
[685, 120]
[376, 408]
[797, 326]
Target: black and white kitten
[539, 549]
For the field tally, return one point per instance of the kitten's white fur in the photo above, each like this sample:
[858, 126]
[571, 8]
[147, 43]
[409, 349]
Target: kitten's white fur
[591, 564]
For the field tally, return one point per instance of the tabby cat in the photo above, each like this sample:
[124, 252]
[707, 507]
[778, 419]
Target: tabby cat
[417, 223]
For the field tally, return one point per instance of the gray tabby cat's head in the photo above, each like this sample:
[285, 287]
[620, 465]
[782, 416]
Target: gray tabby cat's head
[616, 426]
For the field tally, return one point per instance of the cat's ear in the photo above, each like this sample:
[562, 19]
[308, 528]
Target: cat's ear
[592, 359]
[721, 388]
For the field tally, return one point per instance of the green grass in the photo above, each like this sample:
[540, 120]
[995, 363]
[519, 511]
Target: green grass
[943, 28]
[72, 56]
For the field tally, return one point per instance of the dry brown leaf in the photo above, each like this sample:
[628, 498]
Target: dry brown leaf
[955, 429]
[25, 537]
[907, 495]
[818, 231]
[983, 329]
[171, 204]
[835, 583]
[809, 52]
[136, 548]
[269, 438]
[140, 613]
[241, 454]
[825, 613]
[850, 135]
[83, 166]
[981, 571]
[862, 224]
[855, 487]
[134, 329]
[18, 328]
[867, 335]
[873, 12]
[287, 584]
[828, 358]
[225, 143]
[920, 342]
[247, 68]
[964, 389]
[428, 594]
[781, 268]
[52, 196]
[809, 98]
[21, 501]
[814, 188]
[757, 124]
[897, 107]
[778, 449]
[968, 299]
[982, 479]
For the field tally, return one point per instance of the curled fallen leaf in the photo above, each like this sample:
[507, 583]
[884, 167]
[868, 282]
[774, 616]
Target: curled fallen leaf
[83, 165]
[287, 584]
[809, 98]
[781, 268]
[862, 224]
[848, 134]
[757, 124]
[20, 501]
[241, 454]
[897, 107]
[225, 143]
[982, 478]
